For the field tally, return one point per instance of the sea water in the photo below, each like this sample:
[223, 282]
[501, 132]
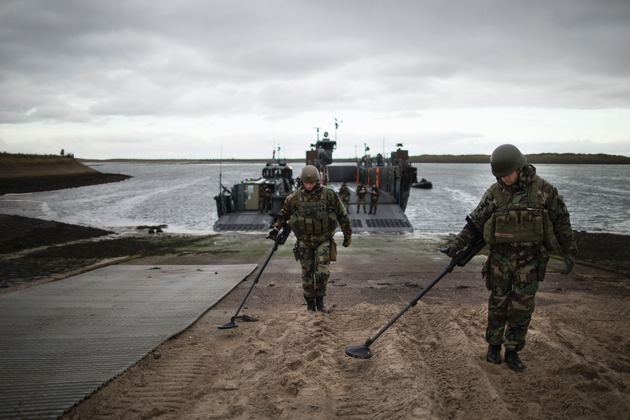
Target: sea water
[181, 195]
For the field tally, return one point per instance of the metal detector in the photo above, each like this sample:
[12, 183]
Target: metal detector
[280, 239]
[461, 259]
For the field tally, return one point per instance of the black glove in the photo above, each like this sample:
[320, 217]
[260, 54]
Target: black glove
[273, 234]
[569, 262]
[451, 249]
[347, 240]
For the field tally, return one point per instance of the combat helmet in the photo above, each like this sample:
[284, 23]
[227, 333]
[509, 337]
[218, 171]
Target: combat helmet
[505, 159]
[309, 174]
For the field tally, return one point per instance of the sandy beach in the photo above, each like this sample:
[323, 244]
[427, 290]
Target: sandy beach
[285, 362]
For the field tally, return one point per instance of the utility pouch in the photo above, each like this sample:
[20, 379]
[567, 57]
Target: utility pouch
[528, 276]
[293, 222]
[514, 226]
[333, 250]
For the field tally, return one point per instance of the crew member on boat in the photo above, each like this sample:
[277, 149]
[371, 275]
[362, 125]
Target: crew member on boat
[374, 199]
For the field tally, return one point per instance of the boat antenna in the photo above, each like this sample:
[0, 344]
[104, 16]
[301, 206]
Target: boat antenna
[273, 143]
[337, 122]
[221, 162]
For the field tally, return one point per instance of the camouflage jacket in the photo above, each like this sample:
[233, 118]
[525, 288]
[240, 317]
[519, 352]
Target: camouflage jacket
[344, 192]
[374, 194]
[517, 194]
[334, 209]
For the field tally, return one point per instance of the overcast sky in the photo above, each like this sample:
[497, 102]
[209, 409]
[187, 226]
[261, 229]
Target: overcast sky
[221, 79]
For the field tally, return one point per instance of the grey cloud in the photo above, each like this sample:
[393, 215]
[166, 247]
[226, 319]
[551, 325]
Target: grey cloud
[76, 58]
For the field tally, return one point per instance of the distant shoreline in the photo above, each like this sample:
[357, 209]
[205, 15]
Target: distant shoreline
[32, 173]
[553, 158]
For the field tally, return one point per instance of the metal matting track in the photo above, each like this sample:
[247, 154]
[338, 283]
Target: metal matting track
[389, 218]
[251, 221]
[61, 341]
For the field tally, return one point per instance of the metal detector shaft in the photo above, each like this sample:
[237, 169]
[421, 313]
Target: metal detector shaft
[280, 239]
[460, 260]
[411, 304]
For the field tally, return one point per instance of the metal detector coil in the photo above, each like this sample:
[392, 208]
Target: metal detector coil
[461, 259]
[280, 239]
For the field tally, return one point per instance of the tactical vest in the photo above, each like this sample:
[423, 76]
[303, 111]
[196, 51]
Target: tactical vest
[315, 217]
[529, 224]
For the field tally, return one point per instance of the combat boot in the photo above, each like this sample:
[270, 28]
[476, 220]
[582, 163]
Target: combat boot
[513, 361]
[310, 303]
[320, 305]
[494, 354]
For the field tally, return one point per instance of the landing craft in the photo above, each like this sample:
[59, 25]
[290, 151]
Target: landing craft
[250, 205]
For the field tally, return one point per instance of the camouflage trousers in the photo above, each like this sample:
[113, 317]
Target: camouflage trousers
[373, 206]
[360, 202]
[314, 257]
[346, 203]
[513, 282]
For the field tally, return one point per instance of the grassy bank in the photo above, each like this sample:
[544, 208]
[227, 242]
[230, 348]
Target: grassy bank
[29, 166]
[31, 173]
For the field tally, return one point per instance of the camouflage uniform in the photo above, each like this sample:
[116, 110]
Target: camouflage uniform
[513, 270]
[361, 191]
[314, 216]
[344, 193]
[263, 198]
[374, 199]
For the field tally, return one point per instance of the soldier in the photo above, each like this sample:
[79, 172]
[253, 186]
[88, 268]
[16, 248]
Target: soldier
[344, 193]
[264, 195]
[517, 215]
[268, 194]
[314, 211]
[374, 199]
[361, 191]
